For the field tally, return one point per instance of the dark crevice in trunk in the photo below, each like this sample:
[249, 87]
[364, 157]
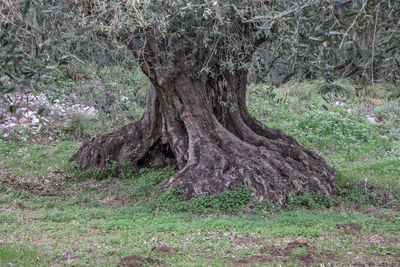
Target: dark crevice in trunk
[159, 155]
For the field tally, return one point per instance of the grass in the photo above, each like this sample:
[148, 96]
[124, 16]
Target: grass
[98, 222]
[384, 172]
[11, 255]
[337, 126]
[86, 235]
[52, 215]
[21, 159]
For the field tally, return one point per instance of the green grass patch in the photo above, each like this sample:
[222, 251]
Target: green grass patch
[12, 255]
[91, 236]
[23, 159]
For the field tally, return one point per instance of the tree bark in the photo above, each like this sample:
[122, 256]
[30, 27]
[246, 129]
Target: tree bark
[204, 125]
[135, 142]
[217, 147]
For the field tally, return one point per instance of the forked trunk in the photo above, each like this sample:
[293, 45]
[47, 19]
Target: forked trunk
[216, 144]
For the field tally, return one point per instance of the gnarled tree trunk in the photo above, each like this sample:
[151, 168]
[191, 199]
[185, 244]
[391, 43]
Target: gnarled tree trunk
[216, 144]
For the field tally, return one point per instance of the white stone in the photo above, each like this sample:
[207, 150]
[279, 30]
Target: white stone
[90, 111]
[22, 120]
[339, 103]
[20, 110]
[35, 120]
[371, 119]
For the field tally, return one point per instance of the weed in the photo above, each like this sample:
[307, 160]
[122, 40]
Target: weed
[350, 193]
[381, 91]
[126, 171]
[267, 206]
[172, 201]
[233, 202]
[3, 188]
[113, 169]
[339, 87]
[347, 190]
[82, 126]
[149, 179]
[299, 251]
[229, 201]
[309, 200]
[5, 218]
[95, 173]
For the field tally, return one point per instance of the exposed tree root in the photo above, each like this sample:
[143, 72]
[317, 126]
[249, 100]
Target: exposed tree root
[216, 149]
[130, 143]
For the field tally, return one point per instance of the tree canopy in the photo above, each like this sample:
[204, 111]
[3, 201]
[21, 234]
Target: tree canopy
[357, 39]
[328, 38]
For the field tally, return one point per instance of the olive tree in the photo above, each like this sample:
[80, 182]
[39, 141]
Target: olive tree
[196, 55]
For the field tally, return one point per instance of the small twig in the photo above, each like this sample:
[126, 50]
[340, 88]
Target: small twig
[373, 43]
[213, 49]
[365, 186]
[282, 14]
[354, 22]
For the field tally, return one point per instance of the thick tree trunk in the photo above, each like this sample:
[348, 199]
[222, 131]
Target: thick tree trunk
[216, 144]
[205, 127]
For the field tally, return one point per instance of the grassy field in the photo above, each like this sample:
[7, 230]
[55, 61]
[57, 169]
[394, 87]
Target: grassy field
[53, 215]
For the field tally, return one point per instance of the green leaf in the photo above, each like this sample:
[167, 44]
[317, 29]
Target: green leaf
[335, 33]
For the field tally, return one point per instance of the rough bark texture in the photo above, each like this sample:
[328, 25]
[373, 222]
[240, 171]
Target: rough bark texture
[216, 144]
[134, 142]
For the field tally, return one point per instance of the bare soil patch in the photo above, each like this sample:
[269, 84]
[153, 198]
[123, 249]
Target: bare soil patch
[250, 260]
[164, 249]
[388, 218]
[39, 185]
[136, 261]
[308, 258]
[111, 195]
[287, 251]
[349, 227]
[374, 263]
[272, 249]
